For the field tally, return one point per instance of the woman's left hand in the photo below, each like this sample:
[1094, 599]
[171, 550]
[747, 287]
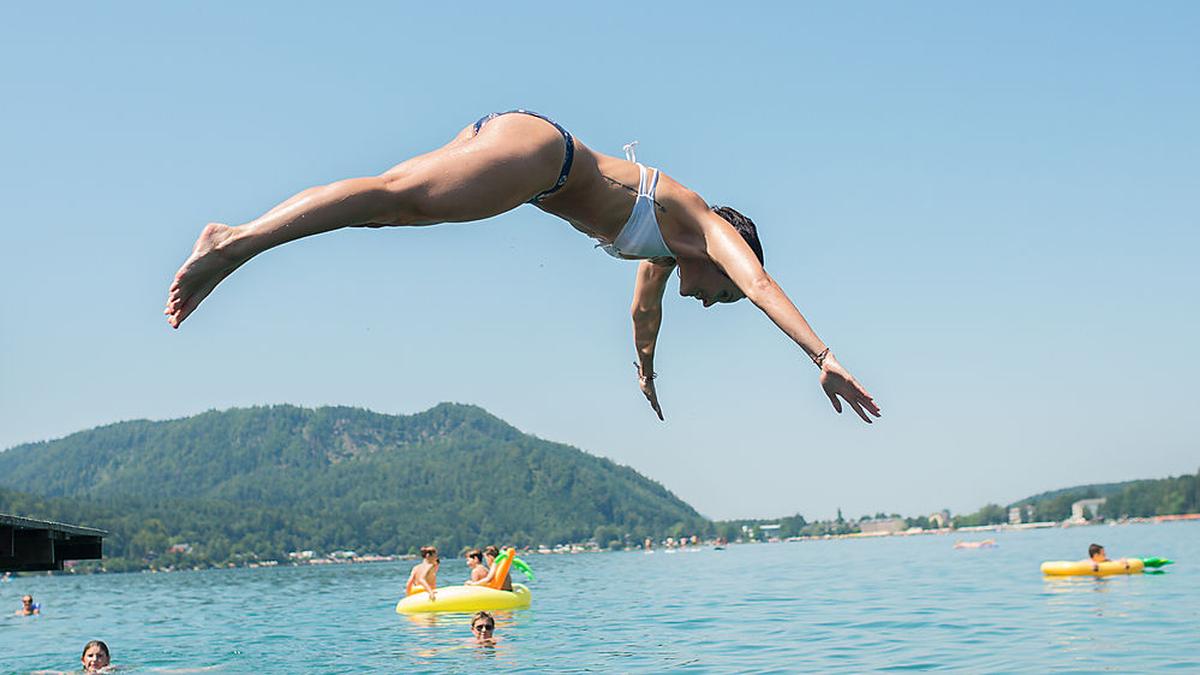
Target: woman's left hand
[837, 381]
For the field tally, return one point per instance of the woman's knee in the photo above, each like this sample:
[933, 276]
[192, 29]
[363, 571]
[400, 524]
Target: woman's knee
[403, 200]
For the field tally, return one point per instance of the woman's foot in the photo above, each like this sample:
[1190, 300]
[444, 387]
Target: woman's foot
[201, 272]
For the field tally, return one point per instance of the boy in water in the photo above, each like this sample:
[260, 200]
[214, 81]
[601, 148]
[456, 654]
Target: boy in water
[483, 627]
[424, 573]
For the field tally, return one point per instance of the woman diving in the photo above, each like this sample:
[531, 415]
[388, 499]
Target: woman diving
[508, 159]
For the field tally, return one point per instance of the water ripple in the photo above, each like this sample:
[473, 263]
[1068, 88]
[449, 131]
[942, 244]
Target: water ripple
[897, 604]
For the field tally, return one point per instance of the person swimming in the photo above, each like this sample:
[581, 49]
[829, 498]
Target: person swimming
[475, 564]
[424, 574]
[491, 553]
[483, 627]
[516, 157]
[95, 657]
[28, 606]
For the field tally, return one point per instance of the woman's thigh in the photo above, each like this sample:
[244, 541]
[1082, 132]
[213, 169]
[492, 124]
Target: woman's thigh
[476, 176]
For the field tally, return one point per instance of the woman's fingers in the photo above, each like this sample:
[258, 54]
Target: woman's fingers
[837, 405]
[858, 409]
[867, 402]
[652, 396]
[840, 385]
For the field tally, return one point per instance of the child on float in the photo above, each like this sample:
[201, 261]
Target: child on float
[423, 575]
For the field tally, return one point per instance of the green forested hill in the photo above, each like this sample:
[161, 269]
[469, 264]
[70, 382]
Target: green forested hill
[1137, 498]
[1133, 498]
[265, 481]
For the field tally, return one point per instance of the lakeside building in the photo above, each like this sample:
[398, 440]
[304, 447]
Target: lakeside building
[1018, 514]
[1081, 508]
[882, 526]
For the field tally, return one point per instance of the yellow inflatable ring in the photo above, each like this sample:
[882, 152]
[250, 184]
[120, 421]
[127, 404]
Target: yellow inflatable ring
[466, 599]
[1065, 568]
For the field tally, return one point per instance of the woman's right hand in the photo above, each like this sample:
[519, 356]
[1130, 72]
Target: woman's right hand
[838, 382]
[647, 385]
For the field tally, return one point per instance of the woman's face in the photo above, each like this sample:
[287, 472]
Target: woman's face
[471, 562]
[94, 659]
[700, 278]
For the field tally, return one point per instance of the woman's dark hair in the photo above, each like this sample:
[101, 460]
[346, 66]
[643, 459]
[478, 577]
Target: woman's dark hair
[95, 643]
[475, 553]
[492, 551]
[427, 551]
[1094, 549]
[744, 226]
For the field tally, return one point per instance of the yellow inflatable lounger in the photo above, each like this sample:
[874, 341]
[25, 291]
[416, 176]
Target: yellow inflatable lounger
[1064, 568]
[466, 599]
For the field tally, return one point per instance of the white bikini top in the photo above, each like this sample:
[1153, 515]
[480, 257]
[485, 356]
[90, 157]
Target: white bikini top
[640, 236]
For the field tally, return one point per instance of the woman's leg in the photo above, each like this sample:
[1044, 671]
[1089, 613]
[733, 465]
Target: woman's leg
[473, 177]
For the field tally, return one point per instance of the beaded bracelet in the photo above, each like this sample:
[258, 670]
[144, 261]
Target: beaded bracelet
[819, 359]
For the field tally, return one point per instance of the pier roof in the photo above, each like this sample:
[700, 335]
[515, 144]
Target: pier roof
[28, 545]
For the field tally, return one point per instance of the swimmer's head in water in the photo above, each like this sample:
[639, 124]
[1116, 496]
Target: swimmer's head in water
[1095, 550]
[483, 625]
[95, 656]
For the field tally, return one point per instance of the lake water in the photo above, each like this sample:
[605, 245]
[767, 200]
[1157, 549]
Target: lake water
[898, 603]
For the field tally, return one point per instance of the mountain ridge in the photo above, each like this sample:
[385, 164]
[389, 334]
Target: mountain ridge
[344, 477]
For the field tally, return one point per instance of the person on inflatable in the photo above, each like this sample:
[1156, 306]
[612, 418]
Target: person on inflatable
[424, 574]
[519, 157]
[475, 564]
[1097, 555]
[491, 553]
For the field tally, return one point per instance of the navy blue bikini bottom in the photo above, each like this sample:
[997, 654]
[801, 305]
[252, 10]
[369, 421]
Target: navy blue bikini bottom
[568, 157]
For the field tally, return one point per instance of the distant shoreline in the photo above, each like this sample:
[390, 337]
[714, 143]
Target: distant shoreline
[576, 549]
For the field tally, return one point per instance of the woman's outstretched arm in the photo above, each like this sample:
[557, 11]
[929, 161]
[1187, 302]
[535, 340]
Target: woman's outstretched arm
[729, 250]
[647, 319]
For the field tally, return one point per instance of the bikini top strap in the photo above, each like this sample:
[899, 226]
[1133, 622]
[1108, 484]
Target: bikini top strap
[642, 180]
[653, 184]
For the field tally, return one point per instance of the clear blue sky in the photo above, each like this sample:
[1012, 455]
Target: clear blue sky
[990, 213]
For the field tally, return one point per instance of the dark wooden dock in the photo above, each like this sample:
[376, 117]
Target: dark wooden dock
[28, 545]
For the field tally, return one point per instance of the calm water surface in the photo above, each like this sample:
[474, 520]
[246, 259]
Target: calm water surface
[900, 603]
